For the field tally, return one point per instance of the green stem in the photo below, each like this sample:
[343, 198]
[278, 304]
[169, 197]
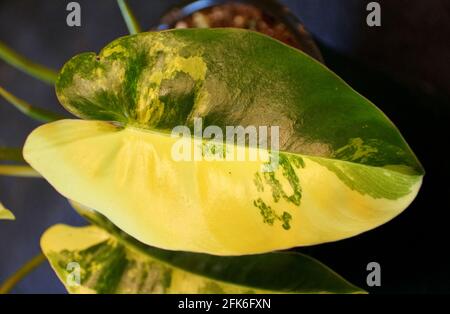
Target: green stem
[27, 268]
[29, 110]
[18, 171]
[130, 19]
[15, 170]
[20, 62]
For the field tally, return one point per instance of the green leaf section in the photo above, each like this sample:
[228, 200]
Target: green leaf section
[378, 183]
[231, 77]
[110, 261]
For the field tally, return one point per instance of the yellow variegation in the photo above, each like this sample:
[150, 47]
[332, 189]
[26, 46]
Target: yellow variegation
[218, 207]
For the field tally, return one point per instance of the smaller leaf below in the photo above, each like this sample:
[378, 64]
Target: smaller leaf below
[107, 260]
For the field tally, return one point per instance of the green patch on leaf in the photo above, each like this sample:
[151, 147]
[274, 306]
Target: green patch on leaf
[286, 168]
[388, 183]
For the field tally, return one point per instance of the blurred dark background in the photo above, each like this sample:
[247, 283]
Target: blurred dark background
[402, 66]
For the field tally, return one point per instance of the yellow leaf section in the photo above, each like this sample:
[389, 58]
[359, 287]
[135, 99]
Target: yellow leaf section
[214, 207]
[61, 238]
[5, 214]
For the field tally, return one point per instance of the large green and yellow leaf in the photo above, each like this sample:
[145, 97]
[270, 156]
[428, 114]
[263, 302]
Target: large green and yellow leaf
[344, 167]
[106, 260]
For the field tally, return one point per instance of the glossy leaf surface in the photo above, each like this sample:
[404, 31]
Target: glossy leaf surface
[344, 167]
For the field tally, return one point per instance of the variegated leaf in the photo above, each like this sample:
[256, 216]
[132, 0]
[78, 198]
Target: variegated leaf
[344, 167]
